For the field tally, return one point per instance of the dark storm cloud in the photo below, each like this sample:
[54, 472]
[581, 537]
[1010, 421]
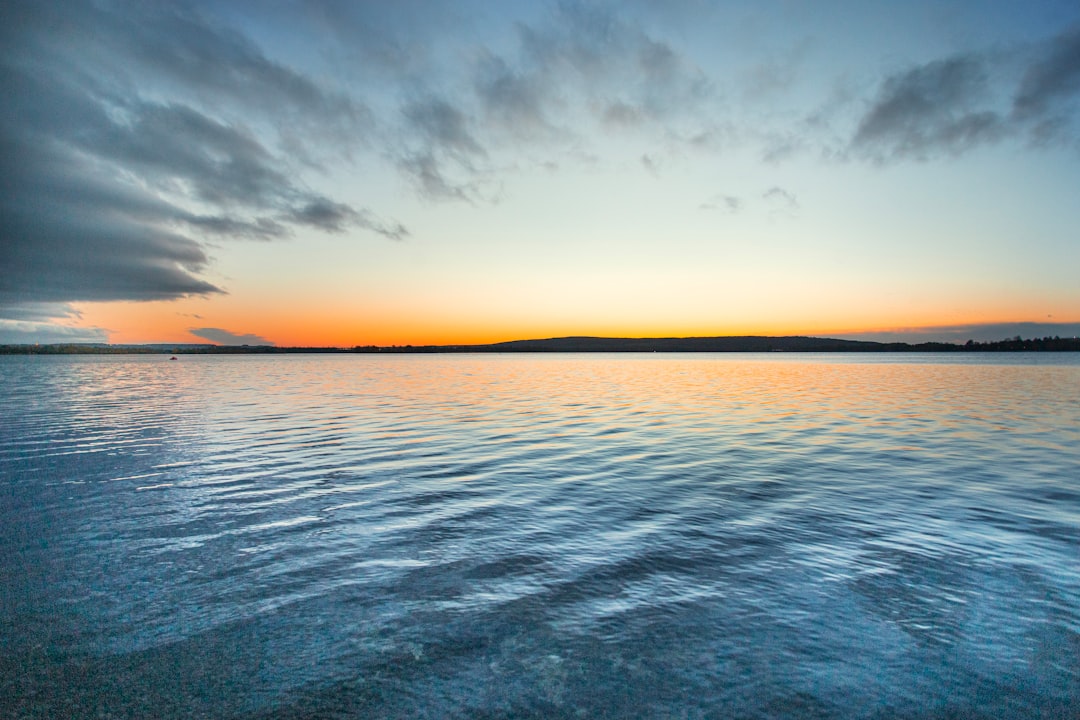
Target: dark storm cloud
[226, 337]
[121, 147]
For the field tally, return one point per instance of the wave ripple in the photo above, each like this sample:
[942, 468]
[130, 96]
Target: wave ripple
[565, 535]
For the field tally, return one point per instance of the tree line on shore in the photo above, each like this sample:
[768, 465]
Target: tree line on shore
[578, 344]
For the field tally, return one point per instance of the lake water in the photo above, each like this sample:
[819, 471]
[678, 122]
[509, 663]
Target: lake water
[503, 536]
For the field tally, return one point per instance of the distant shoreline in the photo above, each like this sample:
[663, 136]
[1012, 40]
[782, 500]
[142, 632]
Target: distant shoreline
[741, 343]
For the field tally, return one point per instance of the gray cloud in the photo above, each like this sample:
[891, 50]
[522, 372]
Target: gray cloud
[780, 199]
[262, 228]
[610, 57]
[188, 54]
[226, 337]
[441, 155]
[1052, 78]
[651, 165]
[42, 312]
[443, 126]
[514, 101]
[124, 141]
[730, 204]
[431, 179]
[949, 106]
[334, 217]
[929, 109]
[622, 115]
[17, 332]
[962, 333]
[580, 64]
[70, 233]
[1049, 90]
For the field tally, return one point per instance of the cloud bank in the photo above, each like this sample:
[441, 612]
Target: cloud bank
[987, 332]
[125, 150]
[226, 337]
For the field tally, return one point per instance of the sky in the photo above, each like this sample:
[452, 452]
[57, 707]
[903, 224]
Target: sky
[341, 173]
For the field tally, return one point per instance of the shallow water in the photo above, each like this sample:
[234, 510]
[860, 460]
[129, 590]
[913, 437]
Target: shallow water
[540, 535]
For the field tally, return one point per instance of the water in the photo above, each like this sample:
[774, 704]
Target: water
[673, 536]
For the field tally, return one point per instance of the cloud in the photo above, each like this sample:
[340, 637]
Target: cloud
[927, 110]
[949, 106]
[619, 114]
[226, 337]
[71, 234]
[441, 154]
[187, 53]
[1049, 89]
[334, 217]
[987, 332]
[43, 312]
[131, 133]
[443, 126]
[780, 201]
[609, 56]
[651, 165]
[432, 181]
[17, 332]
[514, 101]
[580, 68]
[730, 204]
[263, 228]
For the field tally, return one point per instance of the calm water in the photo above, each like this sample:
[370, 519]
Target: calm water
[673, 536]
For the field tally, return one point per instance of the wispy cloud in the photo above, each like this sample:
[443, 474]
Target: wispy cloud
[780, 202]
[441, 154]
[728, 203]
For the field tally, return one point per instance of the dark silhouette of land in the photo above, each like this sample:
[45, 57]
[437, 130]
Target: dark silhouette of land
[740, 343]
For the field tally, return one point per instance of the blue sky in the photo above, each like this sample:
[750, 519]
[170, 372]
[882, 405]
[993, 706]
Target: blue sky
[350, 173]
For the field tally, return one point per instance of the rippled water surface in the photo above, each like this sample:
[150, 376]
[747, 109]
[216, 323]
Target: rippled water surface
[540, 536]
